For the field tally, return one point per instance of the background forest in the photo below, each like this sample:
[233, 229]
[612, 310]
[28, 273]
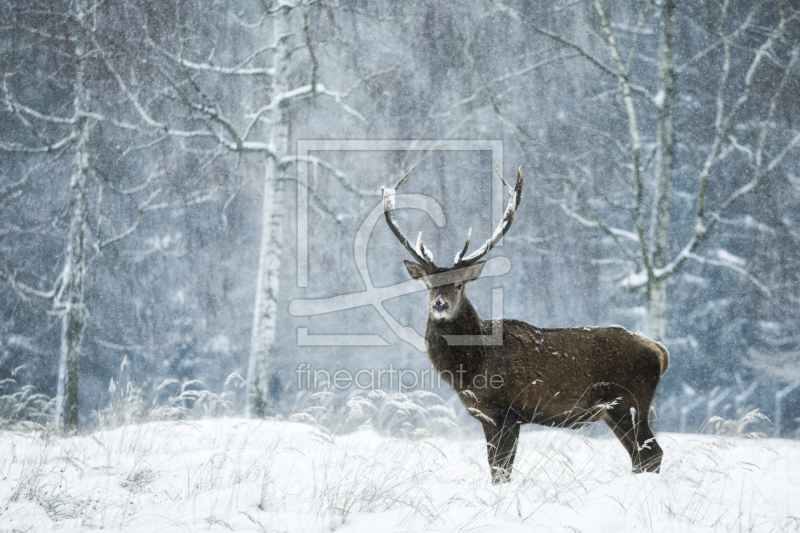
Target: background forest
[149, 173]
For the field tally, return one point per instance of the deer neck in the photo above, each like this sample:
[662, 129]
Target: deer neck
[466, 359]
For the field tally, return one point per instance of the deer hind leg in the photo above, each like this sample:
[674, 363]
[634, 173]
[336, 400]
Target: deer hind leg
[501, 446]
[630, 426]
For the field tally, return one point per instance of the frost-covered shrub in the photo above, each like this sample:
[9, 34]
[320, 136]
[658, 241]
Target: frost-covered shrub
[169, 400]
[411, 415]
[21, 407]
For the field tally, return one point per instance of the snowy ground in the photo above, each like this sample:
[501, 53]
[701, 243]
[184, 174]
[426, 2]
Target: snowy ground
[244, 475]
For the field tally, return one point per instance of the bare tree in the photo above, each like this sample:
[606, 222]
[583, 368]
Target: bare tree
[197, 66]
[262, 343]
[729, 131]
[45, 134]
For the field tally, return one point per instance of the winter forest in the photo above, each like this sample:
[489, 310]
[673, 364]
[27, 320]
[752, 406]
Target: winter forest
[189, 191]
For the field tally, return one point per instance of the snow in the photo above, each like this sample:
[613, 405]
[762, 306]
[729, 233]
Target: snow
[728, 257]
[246, 475]
[658, 99]
[634, 279]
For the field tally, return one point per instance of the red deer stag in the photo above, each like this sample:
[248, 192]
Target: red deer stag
[556, 377]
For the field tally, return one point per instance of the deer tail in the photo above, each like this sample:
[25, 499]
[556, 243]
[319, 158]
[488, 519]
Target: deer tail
[659, 349]
[663, 356]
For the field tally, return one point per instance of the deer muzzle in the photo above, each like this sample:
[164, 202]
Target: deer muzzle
[439, 305]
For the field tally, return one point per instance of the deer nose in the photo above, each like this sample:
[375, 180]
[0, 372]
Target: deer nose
[439, 305]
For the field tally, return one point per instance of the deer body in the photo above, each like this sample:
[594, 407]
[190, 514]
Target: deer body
[557, 377]
[554, 377]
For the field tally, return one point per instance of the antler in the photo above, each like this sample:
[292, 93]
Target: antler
[423, 255]
[420, 252]
[515, 195]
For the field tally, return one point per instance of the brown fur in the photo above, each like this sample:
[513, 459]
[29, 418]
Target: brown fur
[660, 349]
[567, 377]
[556, 377]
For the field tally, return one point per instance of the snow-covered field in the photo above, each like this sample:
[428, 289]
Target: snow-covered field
[244, 475]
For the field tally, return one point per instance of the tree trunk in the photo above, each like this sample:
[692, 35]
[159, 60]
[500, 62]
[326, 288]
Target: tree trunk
[665, 99]
[262, 340]
[657, 310]
[70, 298]
[657, 289]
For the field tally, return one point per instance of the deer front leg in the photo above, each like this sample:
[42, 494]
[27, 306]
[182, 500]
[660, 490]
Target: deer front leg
[501, 445]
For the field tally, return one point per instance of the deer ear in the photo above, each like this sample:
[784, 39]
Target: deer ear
[473, 272]
[417, 271]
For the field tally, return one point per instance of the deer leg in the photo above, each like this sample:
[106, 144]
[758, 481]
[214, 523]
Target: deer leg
[633, 431]
[501, 445]
[650, 452]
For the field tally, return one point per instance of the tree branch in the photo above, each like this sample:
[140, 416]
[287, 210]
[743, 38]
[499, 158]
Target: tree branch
[640, 91]
[633, 130]
[24, 290]
[736, 268]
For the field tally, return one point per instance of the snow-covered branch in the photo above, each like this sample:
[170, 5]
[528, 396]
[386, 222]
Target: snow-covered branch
[240, 70]
[722, 39]
[518, 73]
[639, 279]
[638, 90]
[723, 122]
[54, 147]
[340, 176]
[304, 91]
[24, 290]
[633, 131]
[731, 265]
[15, 110]
[595, 222]
[701, 227]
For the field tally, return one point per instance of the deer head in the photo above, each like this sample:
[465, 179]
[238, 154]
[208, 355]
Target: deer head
[445, 286]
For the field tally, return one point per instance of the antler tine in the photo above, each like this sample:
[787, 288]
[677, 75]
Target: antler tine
[504, 182]
[399, 183]
[423, 250]
[463, 251]
[515, 195]
[420, 253]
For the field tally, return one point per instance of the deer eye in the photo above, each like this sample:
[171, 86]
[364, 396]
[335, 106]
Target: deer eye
[458, 286]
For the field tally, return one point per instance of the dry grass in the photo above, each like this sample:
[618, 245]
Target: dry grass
[376, 462]
[21, 407]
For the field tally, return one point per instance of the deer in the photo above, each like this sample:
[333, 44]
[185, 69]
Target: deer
[507, 372]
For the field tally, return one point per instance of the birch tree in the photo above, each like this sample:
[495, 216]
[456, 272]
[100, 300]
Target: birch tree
[751, 55]
[265, 313]
[53, 116]
[67, 292]
[273, 60]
